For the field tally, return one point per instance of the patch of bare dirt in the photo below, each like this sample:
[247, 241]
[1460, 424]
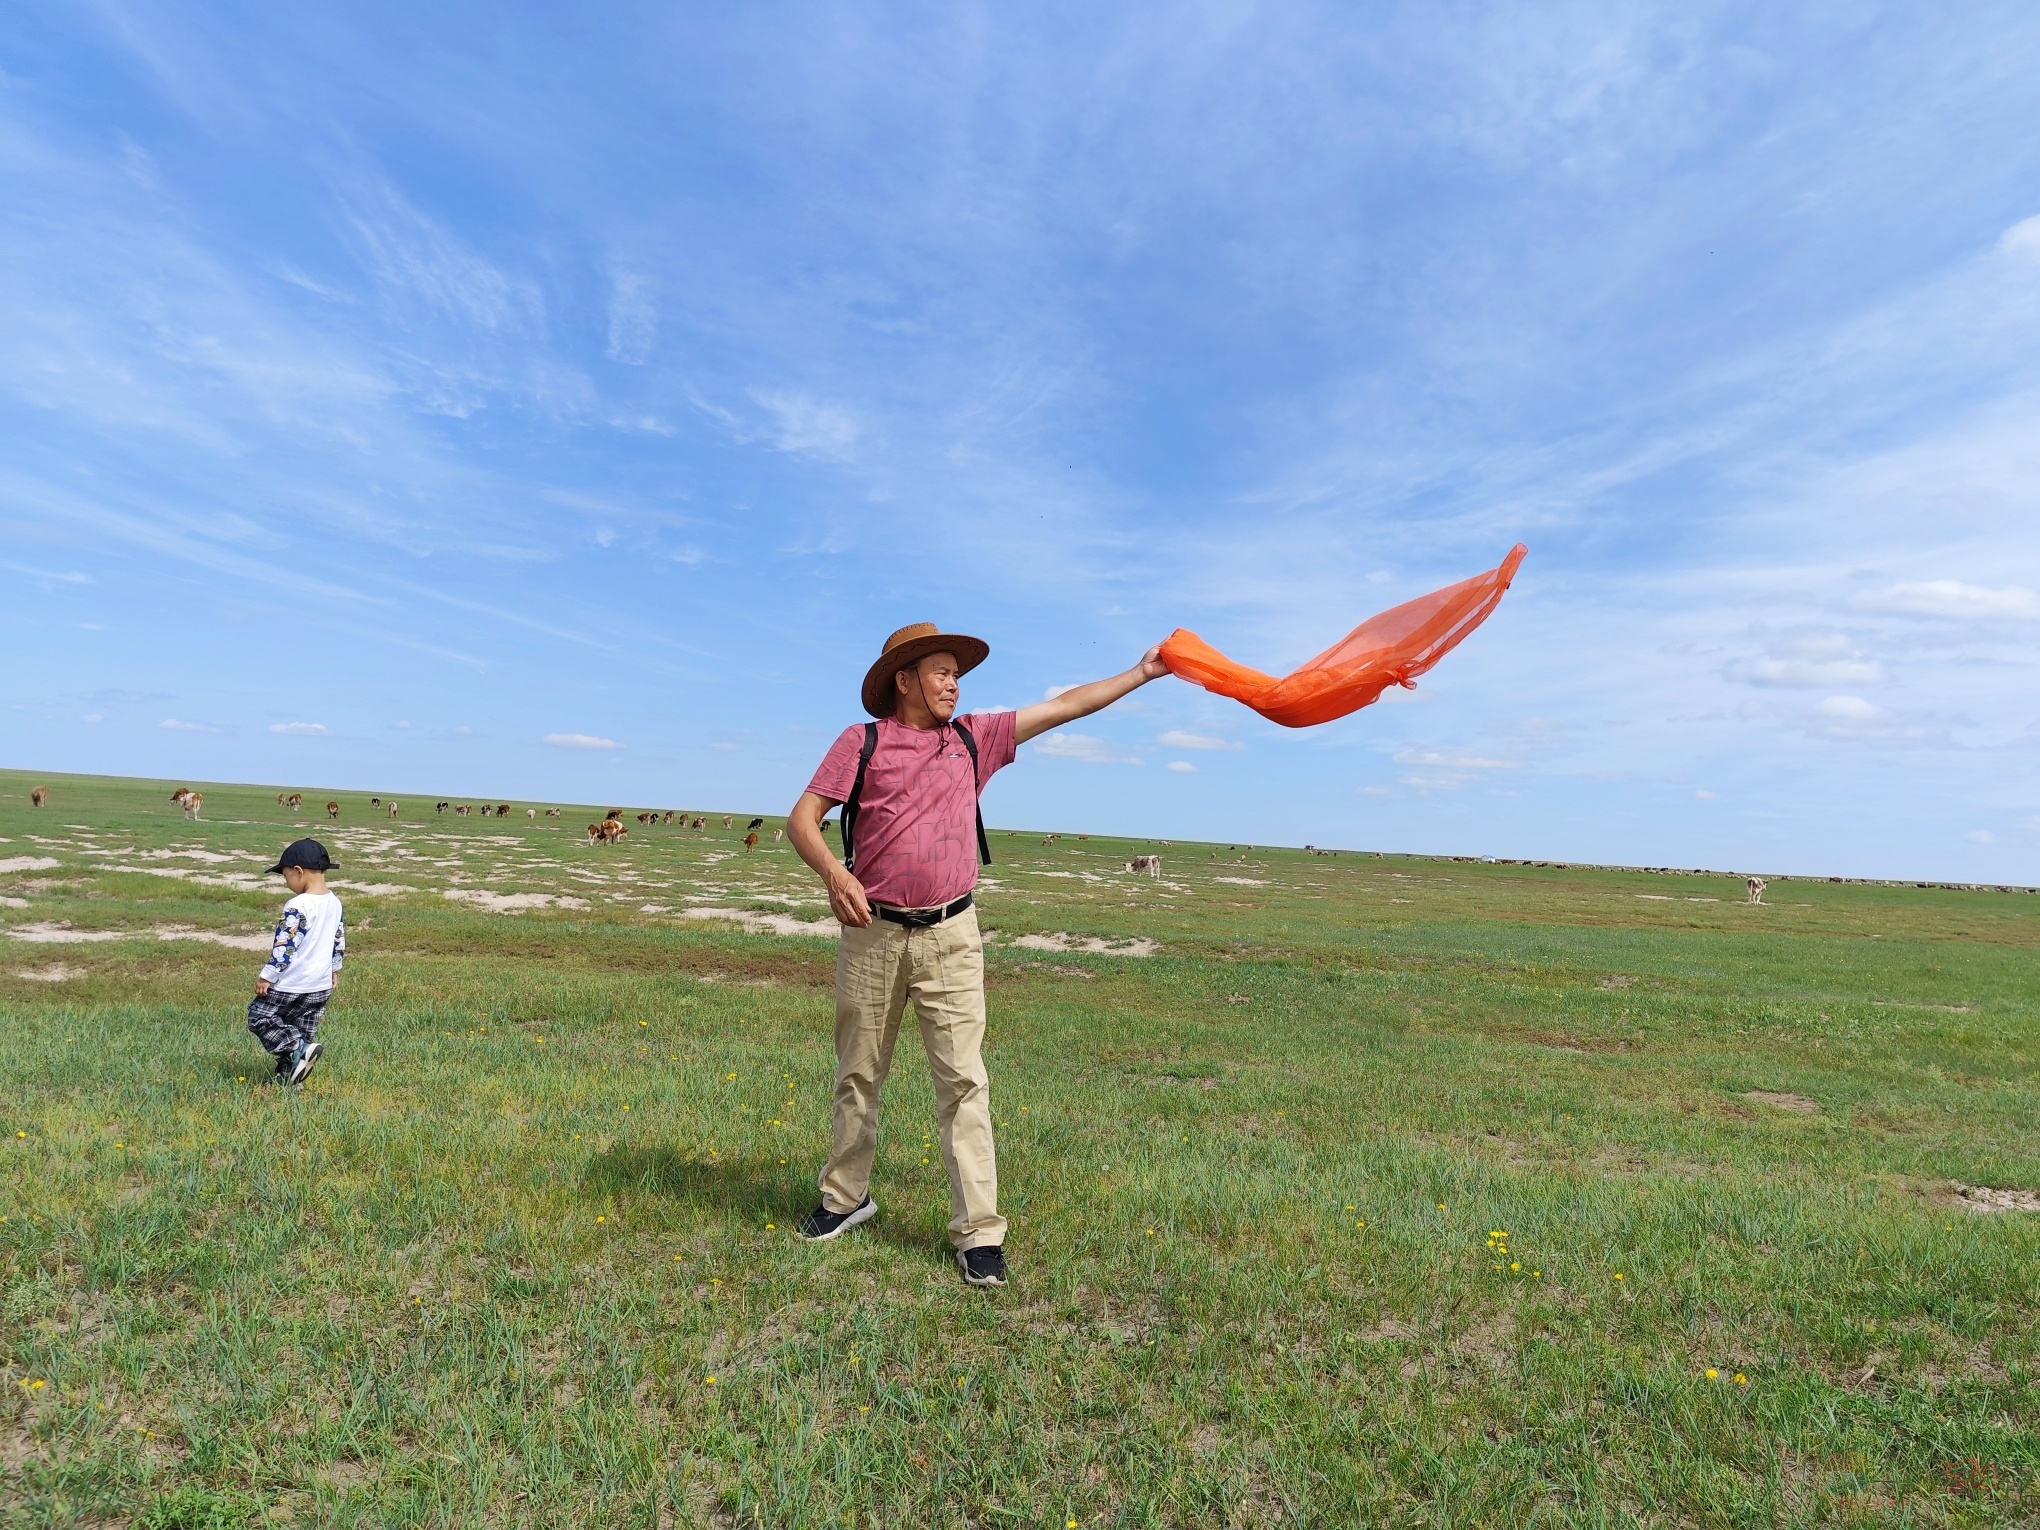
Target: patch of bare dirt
[1090, 945]
[1798, 1104]
[57, 973]
[1985, 1198]
[511, 903]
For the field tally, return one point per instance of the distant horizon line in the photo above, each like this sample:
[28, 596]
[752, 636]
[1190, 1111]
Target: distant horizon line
[1533, 863]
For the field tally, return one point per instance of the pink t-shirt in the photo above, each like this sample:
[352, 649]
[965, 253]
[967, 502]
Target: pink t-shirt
[916, 836]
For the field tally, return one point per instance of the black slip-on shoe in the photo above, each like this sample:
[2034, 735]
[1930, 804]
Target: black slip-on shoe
[823, 1224]
[983, 1266]
[304, 1059]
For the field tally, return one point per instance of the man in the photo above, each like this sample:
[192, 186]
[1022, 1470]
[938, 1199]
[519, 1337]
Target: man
[911, 831]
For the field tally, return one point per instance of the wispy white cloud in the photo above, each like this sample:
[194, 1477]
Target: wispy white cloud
[304, 728]
[808, 426]
[633, 318]
[1811, 660]
[1855, 719]
[1955, 600]
[1181, 738]
[580, 741]
[1452, 759]
[1084, 748]
[176, 725]
[43, 573]
[1183, 767]
[1980, 837]
[409, 252]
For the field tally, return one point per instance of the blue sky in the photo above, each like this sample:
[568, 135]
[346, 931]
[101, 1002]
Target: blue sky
[563, 402]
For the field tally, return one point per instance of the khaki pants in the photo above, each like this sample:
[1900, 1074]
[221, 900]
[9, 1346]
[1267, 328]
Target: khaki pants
[942, 969]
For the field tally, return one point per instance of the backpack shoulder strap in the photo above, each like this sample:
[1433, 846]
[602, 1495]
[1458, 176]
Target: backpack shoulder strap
[856, 796]
[969, 743]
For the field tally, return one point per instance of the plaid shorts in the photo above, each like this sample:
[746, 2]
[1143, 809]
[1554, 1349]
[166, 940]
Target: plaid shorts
[283, 1022]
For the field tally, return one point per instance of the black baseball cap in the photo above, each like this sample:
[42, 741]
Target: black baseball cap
[307, 853]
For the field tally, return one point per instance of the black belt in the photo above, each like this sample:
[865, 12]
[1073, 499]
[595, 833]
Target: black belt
[921, 918]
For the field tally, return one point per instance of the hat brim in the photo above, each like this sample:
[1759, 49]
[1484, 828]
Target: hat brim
[881, 699]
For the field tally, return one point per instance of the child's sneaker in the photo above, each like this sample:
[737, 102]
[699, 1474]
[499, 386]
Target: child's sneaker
[302, 1060]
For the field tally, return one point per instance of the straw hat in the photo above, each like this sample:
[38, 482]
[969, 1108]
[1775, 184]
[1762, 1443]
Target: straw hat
[908, 647]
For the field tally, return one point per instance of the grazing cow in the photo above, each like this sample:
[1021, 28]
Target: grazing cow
[751, 841]
[647, 818]
[755, 823]
[1757, 886]
[1149, 865]
[669, 815]
[613, 829]
[297, 800]
[375, 802]
[1051, 839]
[503, 811]
[552, 812]
[778, 835]
[700, 823]
[193, 801]
[614, 815]
[442, 807]
[594, 833]
[38, 796]
[728, 822]
[333, 811]
[531, 813]
[179, 795]
[279, 799]
[393, 807]
[462, 811]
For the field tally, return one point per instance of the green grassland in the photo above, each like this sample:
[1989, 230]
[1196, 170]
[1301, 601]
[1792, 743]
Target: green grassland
[521, 1253]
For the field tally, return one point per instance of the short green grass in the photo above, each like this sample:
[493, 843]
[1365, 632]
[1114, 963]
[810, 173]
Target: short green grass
[1383, 1191]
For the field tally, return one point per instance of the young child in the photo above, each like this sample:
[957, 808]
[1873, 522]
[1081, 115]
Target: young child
[304, 964]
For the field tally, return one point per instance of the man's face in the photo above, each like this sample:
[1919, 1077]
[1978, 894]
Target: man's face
[933, 680]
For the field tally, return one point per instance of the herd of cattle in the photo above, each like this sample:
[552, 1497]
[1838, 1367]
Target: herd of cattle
[612, 828]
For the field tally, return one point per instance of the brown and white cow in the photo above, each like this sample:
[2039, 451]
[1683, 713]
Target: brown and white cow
[333, 811]
[1757, 886]
[1146, 865]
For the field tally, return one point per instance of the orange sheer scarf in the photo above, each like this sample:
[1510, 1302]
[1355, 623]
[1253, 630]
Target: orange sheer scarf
[1390, 649]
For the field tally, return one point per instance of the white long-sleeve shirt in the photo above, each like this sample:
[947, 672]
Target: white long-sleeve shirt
[310, 945]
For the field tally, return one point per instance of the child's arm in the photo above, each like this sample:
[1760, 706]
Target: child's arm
[339, 955]
[283, 944]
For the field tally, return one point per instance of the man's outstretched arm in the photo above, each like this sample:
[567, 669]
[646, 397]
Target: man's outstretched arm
[846, 893]
[1083, 700]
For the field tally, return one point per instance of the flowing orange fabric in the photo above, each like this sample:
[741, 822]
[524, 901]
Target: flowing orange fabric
[1390, 649]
